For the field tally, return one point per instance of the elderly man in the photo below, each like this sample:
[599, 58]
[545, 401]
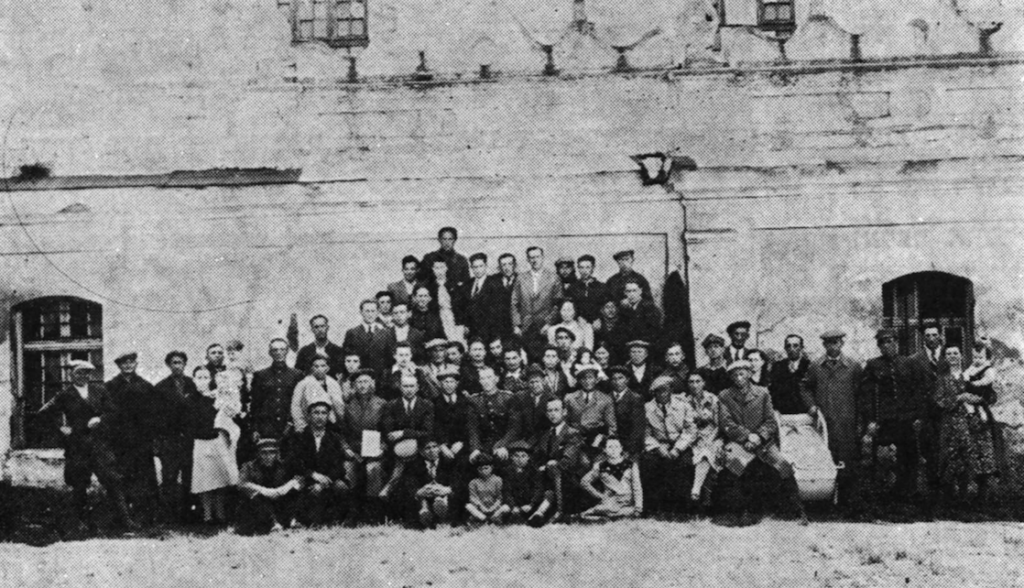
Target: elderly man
[268, 492]
[134, 426]
[786, 376]
[271, 396]
[640, 317]
[617, 282]
[630, 414]
[752, 435]
[458, 265]
[716, 377]
[830, 389]
[321, 345]
[533, 302]
[87, 409]
[318, 458]
[490, 418]
[893, 409]
[360, 427]
[591, 412]
[173, 443]
[667, 461]
[558, 458]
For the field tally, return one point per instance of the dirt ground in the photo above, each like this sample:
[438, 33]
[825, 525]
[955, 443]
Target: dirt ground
[622, 554]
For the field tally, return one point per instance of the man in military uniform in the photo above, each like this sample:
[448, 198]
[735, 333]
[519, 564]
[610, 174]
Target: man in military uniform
[490, 418]
[892, 409]
[86, 411]
[271, 396]
[134, 429]
[617, 282]
[173, 443]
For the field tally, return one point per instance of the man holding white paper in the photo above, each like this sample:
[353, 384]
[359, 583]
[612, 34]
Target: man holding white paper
[361, 429]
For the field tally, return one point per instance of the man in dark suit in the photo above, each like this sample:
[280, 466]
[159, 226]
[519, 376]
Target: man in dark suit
[173, 444]
[402, 290]
[85, 409]
[402, 332]
[640, 369]
[478, 295]
[370, 340]
[529, 408]
[533, 302]
[134, 428]
[739, 333]
[513, 375]
[786, 376]
[501, 304]
[423, 316]
[588, 293]
[640, 318]
[630, 415]
[617, 282]
[271, 397]
[317, 456]
[558, 456]
[409, 417]
[458, 266]
[429, 486]
[926, 365]
[321, 345]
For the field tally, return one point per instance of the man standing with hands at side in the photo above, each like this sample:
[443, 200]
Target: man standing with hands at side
[133, 429]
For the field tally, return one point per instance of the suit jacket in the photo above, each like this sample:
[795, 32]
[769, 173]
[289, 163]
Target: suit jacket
[479, 310]
[501, 304]
[753, 413]
[890, 390]
[529, 418]
[415, 338]
[271, 399]
[630, 420]
[133, 420]
[531, 311]
[79, 411]
[641, 323]
[732, 355]
[172, 406]
[419, 474]
[419, 424]
[589, 297]
[399, 293]
[617, 285]
[785, 386]
[490, 421]
[304, 459]
[599, 414]
[559, 388]
[458, 265]
[372, 348]
[335, 356]
[451, 421]
[564, 447]
[642, 385]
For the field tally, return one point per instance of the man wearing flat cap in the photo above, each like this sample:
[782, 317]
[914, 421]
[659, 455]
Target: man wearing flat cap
[134, 427]
[715, 372]
[565, 267]
[617, 282]
[641, 371]
[892, 410]
[752, 430]
[630, 419]
[317, 457]
[268, 492]
[739, 333]
[591, 412]
[173, 444]
[86, 410]
[640, 318]
[667, 462]
[830, 390]
[529, 407]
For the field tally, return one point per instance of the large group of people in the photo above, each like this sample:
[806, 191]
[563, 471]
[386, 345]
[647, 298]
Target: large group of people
[466, 397]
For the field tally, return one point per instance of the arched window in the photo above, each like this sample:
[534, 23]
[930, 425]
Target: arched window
[946, 299]
[47, 333]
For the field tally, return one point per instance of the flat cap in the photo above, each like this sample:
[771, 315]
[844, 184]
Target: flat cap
[617, 369]
[534, 371]
[663, 382]
[638, 343]
[712, 339]
[564, 260]
[623, 253]
[583, 368]
[317, 399]
[832, 334]
[434, 343]
[80, 364]
[885, 334]
[566, 331]
[483, 459]
[449, 372]
[127, 356]
[267, 443]
[740, 364]
[519, 446]
[737, 325]
[362, 372]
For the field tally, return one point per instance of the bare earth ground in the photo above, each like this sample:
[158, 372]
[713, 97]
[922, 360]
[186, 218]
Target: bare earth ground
[622, 554]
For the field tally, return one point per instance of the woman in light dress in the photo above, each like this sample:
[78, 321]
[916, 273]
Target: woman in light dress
[579, 327]
[446, 297]
[215, 434]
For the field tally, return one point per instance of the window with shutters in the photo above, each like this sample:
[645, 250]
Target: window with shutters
[933, 297]
[46, 334]
[337, 23]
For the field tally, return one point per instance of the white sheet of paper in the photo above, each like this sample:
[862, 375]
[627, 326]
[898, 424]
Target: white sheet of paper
[371, 444]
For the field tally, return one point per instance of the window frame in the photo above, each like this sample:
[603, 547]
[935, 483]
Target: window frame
[332, 38]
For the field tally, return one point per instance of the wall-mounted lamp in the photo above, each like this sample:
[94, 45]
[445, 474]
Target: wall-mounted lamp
[549, 64]
[422, 73]
[656, 168]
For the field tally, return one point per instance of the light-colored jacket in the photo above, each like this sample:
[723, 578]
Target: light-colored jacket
[672, 428]
[532, 310]
[309, 388]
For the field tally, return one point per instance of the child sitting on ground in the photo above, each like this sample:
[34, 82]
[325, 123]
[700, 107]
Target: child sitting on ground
[524, 491]
[485, 504]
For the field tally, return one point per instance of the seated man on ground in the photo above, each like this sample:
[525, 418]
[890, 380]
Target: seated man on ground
[591, 412]
[485, 493]
[318, 458]
[558, 457]
[430, 480]
[619, 477]
[751, 431]
[523, 488]
[268, 492]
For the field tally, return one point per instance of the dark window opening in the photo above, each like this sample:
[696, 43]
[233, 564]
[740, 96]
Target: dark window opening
[929, 297]
[338, 23]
